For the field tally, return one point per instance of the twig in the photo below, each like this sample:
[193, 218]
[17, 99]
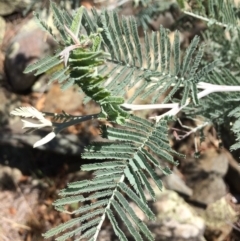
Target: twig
[175, 107]
[209, 19]
[133, 107]
[191, 130]
[15, 223]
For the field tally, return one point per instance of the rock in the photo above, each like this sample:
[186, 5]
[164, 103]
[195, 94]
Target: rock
[106, 234]
[211, 161]
[9, 177]
[205, 176]
[57, 100]
[8, 102]
[16, 209]
[209, 189]
[4, 116]
[68, 144]
[8, 7]
[26, 47]
[233, 174]
[2, 29]
[176, 220]
[166, 20]
[214, 162]
[175, 182]
[218, 219]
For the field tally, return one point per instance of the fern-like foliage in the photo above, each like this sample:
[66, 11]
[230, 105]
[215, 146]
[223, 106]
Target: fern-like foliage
[105, 63]
[128, 159]
[147, 65]
[222, 38]
[216, 12]
[223, 107]
[222, 34]
[223, 46]
[104, 56]
[77, 62]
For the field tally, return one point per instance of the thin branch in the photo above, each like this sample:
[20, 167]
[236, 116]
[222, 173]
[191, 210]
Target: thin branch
[132, 107]
[191, 129]
[210, 88]
[209, 19]
[175, 107]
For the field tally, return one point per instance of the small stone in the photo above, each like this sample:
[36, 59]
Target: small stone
[57, 100]
[176, 219]
[218, 219]
[9, 177]
[205, 176]
[2, 29]
[26, 47]
[175, 183]
[9, 7]
[209, 190]
[185, 231]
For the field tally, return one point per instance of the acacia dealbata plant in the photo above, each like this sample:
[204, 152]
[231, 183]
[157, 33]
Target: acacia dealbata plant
[102, 54]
